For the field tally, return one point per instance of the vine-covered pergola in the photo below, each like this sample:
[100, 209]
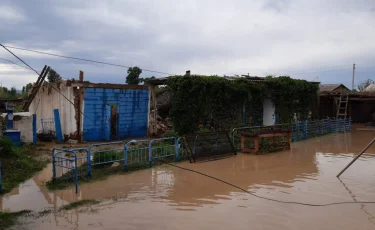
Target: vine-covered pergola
[217, 103]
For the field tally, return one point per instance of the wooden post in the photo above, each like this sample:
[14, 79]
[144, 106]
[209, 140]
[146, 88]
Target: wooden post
[256, 142]
[243, 146]
[153, 122]
[80, 104]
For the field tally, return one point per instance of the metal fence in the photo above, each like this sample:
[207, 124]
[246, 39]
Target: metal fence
[105, 154]
[310, 129]
[65, 162]
[69, 164]
[162, 148]
[210, 145]
[137, 154]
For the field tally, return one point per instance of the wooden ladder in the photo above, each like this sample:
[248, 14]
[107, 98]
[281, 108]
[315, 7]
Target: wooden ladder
[342, 106]
[35, 88]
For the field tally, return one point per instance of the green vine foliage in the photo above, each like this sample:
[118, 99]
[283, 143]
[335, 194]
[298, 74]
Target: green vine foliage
[292, 96]
[210, 102]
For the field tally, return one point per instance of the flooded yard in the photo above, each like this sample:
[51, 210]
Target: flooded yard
[166, 197]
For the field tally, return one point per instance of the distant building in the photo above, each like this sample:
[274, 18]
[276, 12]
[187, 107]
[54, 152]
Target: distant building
[337, 88]
[370, 88]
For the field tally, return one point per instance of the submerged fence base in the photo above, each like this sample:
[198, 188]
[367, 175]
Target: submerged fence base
[302, 130]
[74, 163]
[70, 164]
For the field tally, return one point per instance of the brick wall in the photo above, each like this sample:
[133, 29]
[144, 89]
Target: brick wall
[132, 113]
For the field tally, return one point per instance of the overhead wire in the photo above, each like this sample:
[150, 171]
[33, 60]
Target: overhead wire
[75, 106]
[14, 63]
[84, 59]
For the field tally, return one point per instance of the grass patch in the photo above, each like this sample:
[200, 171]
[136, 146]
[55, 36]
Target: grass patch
[18, 165]
[79, 204]
[44, 212]
[8, 219]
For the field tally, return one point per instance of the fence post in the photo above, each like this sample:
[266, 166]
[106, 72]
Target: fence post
[195, 146]
[89, 162]
[53, 165]
[76, 171]
[177, 146]
[306, 129]
[126, 157]
[150, 153]
[34, 129]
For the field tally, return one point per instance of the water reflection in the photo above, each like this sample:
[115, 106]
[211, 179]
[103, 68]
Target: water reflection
[304, 173]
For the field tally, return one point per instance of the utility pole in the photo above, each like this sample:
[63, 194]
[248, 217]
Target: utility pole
[353, 77]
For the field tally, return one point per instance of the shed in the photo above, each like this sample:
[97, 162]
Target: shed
[94, 111]
[24, 122]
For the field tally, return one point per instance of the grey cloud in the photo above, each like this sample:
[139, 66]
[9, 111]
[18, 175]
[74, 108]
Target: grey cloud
[209, 37]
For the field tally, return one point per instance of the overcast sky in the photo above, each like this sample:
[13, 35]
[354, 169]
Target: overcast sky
[308, 39]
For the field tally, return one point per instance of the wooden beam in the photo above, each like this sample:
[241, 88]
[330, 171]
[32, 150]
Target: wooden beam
[106, 86]
[36, 88]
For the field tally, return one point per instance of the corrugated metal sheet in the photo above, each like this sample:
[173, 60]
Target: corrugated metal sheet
[47, 100]
[132, 113]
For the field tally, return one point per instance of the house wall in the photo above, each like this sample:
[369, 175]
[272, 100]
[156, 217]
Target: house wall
[268, 112]
[25, 124]
[132, 113]
[362, 111]
[327, 108]
[48, 99]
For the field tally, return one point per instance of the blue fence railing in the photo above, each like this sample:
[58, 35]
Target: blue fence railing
[309, 129]
[67, 162]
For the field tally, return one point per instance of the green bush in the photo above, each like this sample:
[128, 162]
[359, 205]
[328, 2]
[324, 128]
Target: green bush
[171, 133]
[6, 146]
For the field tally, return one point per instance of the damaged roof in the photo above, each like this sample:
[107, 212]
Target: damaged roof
[330, 87]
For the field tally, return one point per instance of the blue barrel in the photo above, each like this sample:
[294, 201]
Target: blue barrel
[14, 136]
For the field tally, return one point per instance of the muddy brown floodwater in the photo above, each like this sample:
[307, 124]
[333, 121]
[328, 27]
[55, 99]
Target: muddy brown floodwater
[166, 197]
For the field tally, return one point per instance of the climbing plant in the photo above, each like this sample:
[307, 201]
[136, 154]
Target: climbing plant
[291, 96]
[210, 102]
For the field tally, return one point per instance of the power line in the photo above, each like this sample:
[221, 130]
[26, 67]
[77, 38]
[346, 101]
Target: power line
[20, 59]
[52, 86]
[14, 63]
[84, 59]
[24, 66]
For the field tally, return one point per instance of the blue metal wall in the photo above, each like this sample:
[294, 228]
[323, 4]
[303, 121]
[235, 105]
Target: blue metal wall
[132, 113]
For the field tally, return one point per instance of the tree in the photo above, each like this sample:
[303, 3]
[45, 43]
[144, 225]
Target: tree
[13, 91]
[28, 87]
[145, 80]
[364, 84]
[133, 75]
[53, 76]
